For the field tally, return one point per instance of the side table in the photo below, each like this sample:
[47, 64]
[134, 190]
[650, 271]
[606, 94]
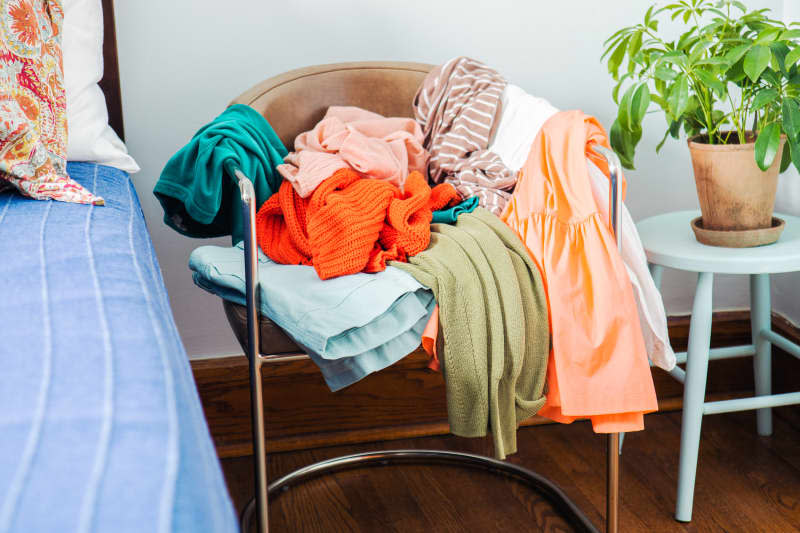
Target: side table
[669, 242]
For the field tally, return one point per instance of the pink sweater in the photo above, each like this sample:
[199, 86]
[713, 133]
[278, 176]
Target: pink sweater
[378, 147]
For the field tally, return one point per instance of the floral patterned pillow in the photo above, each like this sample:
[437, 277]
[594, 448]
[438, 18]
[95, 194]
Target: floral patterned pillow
[33, 112]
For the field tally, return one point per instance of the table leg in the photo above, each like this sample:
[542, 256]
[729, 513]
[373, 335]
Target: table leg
[656, 271]
[694, 393]
[760, 320]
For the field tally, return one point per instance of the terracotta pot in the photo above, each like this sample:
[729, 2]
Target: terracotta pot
[734, 193]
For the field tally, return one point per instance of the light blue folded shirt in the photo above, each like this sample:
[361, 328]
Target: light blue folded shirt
[351, 326]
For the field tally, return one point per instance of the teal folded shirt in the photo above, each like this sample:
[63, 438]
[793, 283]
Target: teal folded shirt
[351, 325]
[449, 216]
[197, 187]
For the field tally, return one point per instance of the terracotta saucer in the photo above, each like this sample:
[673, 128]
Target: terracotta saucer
[738, 238]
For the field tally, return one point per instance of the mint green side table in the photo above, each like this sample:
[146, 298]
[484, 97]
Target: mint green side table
[669, 242]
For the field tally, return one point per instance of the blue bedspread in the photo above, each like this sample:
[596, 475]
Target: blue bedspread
[101, 427]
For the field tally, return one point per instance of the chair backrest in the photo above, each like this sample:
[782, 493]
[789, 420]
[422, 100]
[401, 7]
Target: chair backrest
[295, 101]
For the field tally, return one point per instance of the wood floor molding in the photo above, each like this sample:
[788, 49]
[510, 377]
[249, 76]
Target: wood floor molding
[408, 400]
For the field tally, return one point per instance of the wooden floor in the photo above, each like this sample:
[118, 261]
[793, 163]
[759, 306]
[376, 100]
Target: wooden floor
[745, 483]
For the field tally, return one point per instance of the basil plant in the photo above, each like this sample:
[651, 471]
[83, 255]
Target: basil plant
[731, 76]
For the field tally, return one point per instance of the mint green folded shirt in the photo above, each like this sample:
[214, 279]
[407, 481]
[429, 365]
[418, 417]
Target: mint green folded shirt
[351, 325]
[197, 187]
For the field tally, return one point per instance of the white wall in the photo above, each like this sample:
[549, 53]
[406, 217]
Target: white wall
[182, 61]
[786, 287]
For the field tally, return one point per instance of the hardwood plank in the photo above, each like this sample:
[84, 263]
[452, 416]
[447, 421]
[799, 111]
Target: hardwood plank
[420, 498]
[407, 400]
[744, 483]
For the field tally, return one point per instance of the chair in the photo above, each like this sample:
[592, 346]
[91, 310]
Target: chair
[294, 102]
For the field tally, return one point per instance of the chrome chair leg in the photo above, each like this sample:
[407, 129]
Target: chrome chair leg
[252, 287]
[259, 445]
[613, 449]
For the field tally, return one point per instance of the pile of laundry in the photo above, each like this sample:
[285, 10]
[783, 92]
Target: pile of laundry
[478, 229]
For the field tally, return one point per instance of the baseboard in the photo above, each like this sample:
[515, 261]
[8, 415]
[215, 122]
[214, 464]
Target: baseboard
[408, 400]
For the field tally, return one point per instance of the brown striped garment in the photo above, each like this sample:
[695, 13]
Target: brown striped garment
[458, 107]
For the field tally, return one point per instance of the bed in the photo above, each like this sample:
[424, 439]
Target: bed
[102, 428]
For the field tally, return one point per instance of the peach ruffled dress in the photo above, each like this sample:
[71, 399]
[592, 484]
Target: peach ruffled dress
[598, 365]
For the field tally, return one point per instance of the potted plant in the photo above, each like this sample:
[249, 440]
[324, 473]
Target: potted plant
[731, 82]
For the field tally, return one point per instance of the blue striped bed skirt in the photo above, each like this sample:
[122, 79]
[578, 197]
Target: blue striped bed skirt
[101, 427]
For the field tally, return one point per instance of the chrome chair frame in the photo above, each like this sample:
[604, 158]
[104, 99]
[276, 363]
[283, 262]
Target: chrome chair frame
[263, 490]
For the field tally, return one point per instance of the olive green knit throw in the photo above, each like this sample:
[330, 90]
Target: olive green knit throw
[493, 320]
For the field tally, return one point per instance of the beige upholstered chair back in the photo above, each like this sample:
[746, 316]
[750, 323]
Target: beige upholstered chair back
[295, 101]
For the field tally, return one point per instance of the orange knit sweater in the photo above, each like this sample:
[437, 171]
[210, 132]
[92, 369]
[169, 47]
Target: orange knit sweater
[350, 224]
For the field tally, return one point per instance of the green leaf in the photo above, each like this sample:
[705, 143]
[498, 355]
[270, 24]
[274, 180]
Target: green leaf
[633, 106]
[698, 51]
[786, 157]
[635, 44]
[616, 34]
[686, 40]
[755, 24]
[767, 143]
[616, 57]
[676, 57]
[691, 128]
[790, 116]
[736, 72]
[648, 14]
[611, 47]
[678, 97]
[718, 12]
[789, 35]
[661, 87]
[675, 129]
[717, 116]
[658, 100]
[663, 140]
[665, 73]
[767, 36]
[712, 27]
[779, 52]
[794, 147]
[711, 81]
[714, 61]
[615, 93]
[764, 97]
[756, 60]
[624, 111]
[771, 77]
[615, 90]
[733, 40]
[621, 144]
[792, 57]
[737, 52]
[639, 103]
[624, 142]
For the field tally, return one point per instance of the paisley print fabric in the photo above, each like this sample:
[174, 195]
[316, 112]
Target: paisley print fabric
[33, 112]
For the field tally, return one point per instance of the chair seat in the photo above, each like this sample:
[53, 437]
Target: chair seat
[273, 339]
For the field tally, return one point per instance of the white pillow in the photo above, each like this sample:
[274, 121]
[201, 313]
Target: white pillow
[89, 137]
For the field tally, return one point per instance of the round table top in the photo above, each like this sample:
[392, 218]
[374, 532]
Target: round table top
[669, 241]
